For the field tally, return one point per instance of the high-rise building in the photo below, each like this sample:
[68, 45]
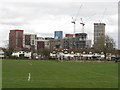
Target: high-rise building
[81, 36]
[77, 42]
[16, 39]
[29, 41]
[80, 40]
[42, 43]
[32, 42]
[99, 35]
[58, 34]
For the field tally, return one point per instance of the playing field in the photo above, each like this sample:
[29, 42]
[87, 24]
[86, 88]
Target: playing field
[54, 74]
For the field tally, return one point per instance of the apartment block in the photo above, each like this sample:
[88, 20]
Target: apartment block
[29, 41]
[42, 43]
[16, 39]
[80, 40]
[58, 34]
[99, 35]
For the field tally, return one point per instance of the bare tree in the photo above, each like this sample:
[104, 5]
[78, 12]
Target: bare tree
[44, 52]
[109, 43]
[105, 45]
[7, 50]
[109, 46]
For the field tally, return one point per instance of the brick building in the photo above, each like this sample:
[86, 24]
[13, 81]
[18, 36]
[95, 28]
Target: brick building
[69, 35]
[16, 39]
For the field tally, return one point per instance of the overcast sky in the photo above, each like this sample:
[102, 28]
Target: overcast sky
[43, 17]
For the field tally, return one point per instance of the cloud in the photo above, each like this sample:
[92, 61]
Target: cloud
[42, 16]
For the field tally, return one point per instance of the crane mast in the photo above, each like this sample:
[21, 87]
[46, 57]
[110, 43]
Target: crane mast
[83, 24]
[74, 19]
[74, 24]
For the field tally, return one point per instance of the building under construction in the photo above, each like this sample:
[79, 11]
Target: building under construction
[99, 35]
[77, 42]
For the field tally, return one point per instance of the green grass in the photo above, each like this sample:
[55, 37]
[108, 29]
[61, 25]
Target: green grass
[53, 74]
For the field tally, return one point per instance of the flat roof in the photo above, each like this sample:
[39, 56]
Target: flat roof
[17, 30]
[81, 34]
[99, 24]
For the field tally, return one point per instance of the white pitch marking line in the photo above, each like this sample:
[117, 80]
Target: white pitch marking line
[29, 76]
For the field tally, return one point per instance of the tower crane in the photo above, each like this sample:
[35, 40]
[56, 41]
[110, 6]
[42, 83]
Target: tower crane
[74, 18]
[83, 23]
[103, 15]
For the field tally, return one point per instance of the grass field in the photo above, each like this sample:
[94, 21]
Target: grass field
[53, 74]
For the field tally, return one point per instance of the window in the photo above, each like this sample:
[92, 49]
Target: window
[32, 42]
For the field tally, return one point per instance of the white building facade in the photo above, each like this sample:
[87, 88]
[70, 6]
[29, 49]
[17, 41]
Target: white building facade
[1, 54]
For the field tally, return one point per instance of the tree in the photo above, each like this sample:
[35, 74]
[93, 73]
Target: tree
[109, 45]
[7, 50]
[44, 52]
[105, 45]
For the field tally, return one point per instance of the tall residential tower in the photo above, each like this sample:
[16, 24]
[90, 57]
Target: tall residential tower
[16, 39]
[99, 35]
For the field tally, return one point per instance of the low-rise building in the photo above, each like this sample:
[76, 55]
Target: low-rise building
[76, 54]
[42, 43]
[22, 54]
[1, 54]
